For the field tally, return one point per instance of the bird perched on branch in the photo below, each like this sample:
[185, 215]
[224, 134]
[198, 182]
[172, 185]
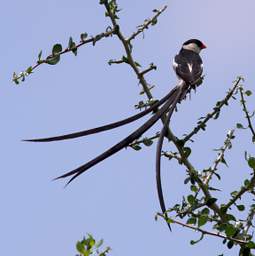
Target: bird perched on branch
[189, 68]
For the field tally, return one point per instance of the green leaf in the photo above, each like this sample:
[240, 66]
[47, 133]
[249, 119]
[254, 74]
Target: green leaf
[70, 42]
[57, 48]
[248, 93]
[202, 220]
[193, 188]
[251, 162]
[239, 126]
[136, 147]
[222, 227]
[192, 221]
[91, 242]
[247, 183]
[230, 217]
[205, 211]
[99, 243]
[230, 244]
[40, 55]
[29, 70]
[245, 251]
[191, 199]
[80, 247]
[125, 59]
[137, 64]
[83, 36]
[211, 201]
[230, 230]
[147, 142]
[169, 220]
[234, 193]
[186, 151]
[240, 207]
[251, 245]
[53, 60]
[154, 21]
[224, 161]
[72, 46]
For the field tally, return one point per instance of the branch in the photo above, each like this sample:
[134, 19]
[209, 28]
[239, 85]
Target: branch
[194, 174]
[239, 194]
[215, 112]
[249, 220]
[152, 21]
[248, 117]
[127, 46]
[204, 232]
[220, 157]
[53, 58]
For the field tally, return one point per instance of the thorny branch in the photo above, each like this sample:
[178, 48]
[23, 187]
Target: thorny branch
[216, 110]
[192, 171]
[244, 189]
[203, 231]
[220, 157]
[72, 48]
[202, 182]
[147, 23]
[247, 115]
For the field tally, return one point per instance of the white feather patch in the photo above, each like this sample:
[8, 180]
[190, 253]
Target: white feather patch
[175, 65]
[190, 67]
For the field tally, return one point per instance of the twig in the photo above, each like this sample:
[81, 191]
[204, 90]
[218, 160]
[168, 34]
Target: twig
[205, 232]
[92, 40]
[216, 110]
[137, 142]
[127, 47]
[170, 135]
[220, 157]
[249, 220]
[147, 23]
[195, 176]
[243, 102]
[241, 192]
[151, 67]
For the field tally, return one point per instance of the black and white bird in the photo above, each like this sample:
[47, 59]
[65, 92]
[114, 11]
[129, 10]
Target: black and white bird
[188, 67]
[188, 64]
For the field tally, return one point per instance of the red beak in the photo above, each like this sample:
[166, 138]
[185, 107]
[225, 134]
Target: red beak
[203, 46]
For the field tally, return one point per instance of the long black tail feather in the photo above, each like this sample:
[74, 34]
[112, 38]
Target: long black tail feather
[125, 142]
[108, 126]
[180, 95]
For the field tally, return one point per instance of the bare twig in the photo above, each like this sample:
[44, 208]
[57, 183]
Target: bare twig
[151, 67]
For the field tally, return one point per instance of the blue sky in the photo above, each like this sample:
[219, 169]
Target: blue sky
[115, 200]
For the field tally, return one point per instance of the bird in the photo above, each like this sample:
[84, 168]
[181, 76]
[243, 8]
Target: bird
[188, 67]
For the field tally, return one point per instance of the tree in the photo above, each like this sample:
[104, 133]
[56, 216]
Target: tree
[199, 210]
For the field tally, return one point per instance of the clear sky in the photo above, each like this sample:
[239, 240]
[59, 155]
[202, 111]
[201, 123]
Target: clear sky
[116, 200]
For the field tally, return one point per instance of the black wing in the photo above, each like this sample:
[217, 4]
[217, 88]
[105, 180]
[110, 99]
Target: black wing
[188, 66]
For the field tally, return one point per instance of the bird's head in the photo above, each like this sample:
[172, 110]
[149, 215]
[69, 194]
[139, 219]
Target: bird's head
[194, 45]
